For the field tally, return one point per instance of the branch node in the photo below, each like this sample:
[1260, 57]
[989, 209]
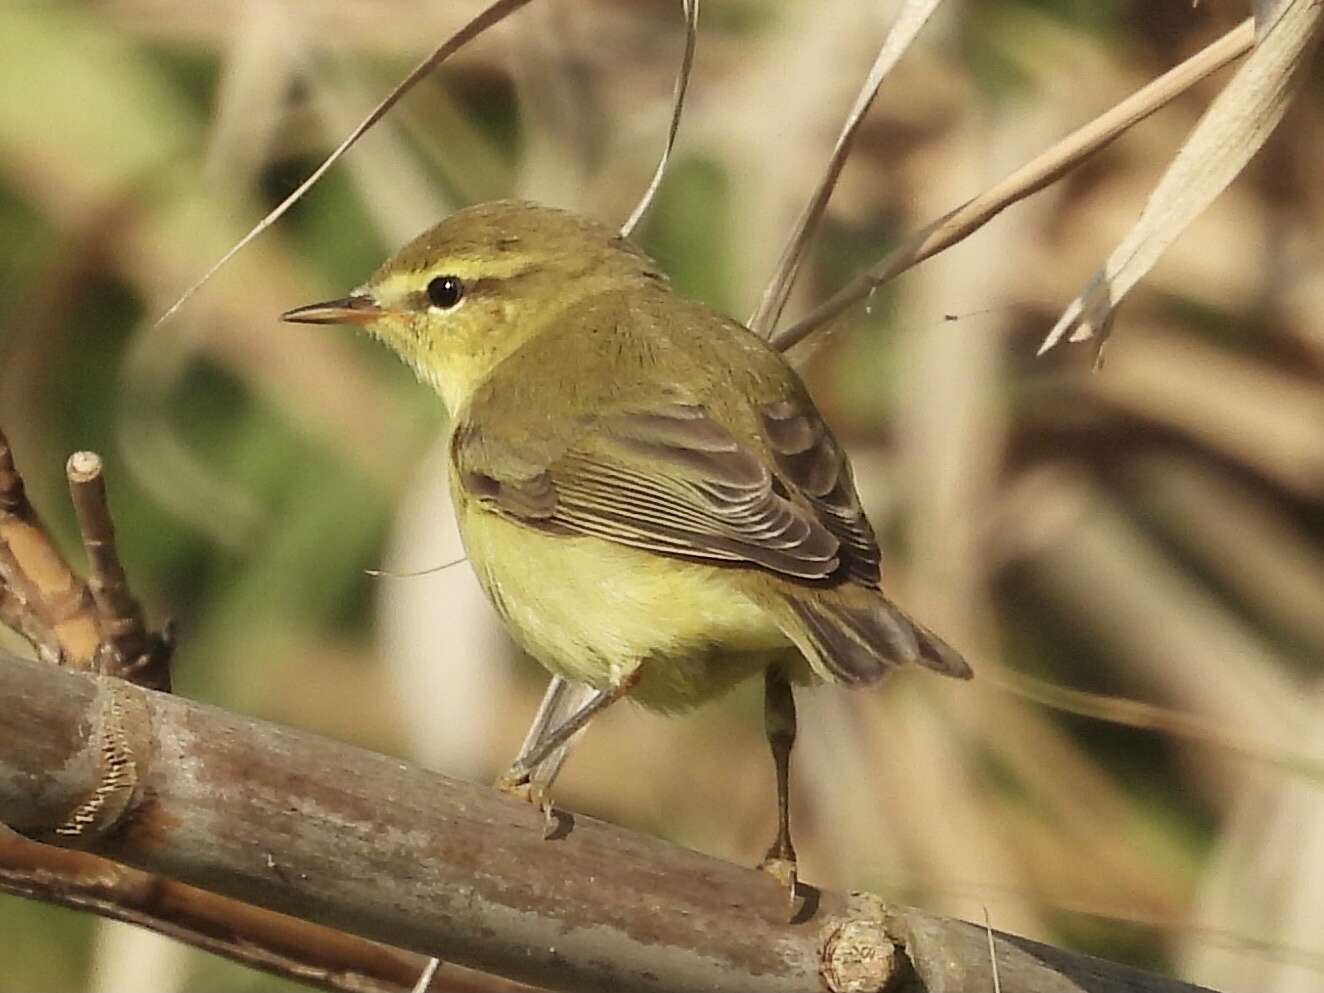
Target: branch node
[122, 737]
[858, 956]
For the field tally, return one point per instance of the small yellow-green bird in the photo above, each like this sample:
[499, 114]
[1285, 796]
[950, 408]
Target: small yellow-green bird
[644, 487]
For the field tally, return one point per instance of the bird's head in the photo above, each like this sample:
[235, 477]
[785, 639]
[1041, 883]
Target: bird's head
[462, 296]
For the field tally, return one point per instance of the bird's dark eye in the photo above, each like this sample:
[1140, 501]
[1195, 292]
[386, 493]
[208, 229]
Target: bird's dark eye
[445, 291]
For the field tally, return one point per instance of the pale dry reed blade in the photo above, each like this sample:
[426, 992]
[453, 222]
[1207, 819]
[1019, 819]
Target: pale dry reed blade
[1030, 178]
[913, 16]
[440, 642]
[691, 11]
[1264, 415]
[1165, 629]
[257, 71]
[492, 15]
[1267, 561]
[1262, 880]
[1267, 13]
[1232, 130]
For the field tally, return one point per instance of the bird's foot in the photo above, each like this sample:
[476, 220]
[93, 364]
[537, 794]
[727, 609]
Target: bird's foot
[781, 865]
[516, 782]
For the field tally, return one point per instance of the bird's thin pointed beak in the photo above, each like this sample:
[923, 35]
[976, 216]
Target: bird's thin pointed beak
[350, 310]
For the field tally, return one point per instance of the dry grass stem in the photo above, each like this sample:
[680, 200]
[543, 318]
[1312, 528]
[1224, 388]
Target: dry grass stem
[1154, 717]
[912, 16]
[275, 943]
[1030, 178]
[1234, 128]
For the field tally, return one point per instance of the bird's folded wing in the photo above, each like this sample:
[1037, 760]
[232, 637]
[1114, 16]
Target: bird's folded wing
[810, 460]
[669, 479]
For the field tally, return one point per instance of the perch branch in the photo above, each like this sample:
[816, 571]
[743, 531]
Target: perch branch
[371, 845]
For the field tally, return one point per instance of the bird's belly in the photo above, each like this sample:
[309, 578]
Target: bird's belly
[592, 611]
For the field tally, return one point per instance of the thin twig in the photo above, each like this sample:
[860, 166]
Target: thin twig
[1030, 178]
[130, 651]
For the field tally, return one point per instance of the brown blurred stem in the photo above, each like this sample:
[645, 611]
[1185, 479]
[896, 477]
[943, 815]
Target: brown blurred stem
[281, 945]
[128, 649]
[17, 612]
[40, 597]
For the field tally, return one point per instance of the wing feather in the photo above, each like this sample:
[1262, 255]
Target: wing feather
[668, 479]
[809, 458]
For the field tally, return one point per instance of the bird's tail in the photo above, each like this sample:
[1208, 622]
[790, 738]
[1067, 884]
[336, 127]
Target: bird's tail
[857, 639]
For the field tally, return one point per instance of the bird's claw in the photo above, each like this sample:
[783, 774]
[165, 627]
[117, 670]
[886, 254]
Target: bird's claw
[516, 782]
[782, 868]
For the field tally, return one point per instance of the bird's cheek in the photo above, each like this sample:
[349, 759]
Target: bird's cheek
[402, 334]
[385, 331]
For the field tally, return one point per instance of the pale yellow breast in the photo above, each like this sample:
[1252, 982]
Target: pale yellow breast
[592, 610]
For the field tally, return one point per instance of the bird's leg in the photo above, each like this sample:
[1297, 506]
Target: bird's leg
[561, 700]
[779, 722]
[516, 778]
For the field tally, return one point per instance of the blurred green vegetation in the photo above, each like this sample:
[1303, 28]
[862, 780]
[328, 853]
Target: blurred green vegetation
[1152, 532]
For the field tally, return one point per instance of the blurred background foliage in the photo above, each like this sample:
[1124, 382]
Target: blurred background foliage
[1151, 532]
